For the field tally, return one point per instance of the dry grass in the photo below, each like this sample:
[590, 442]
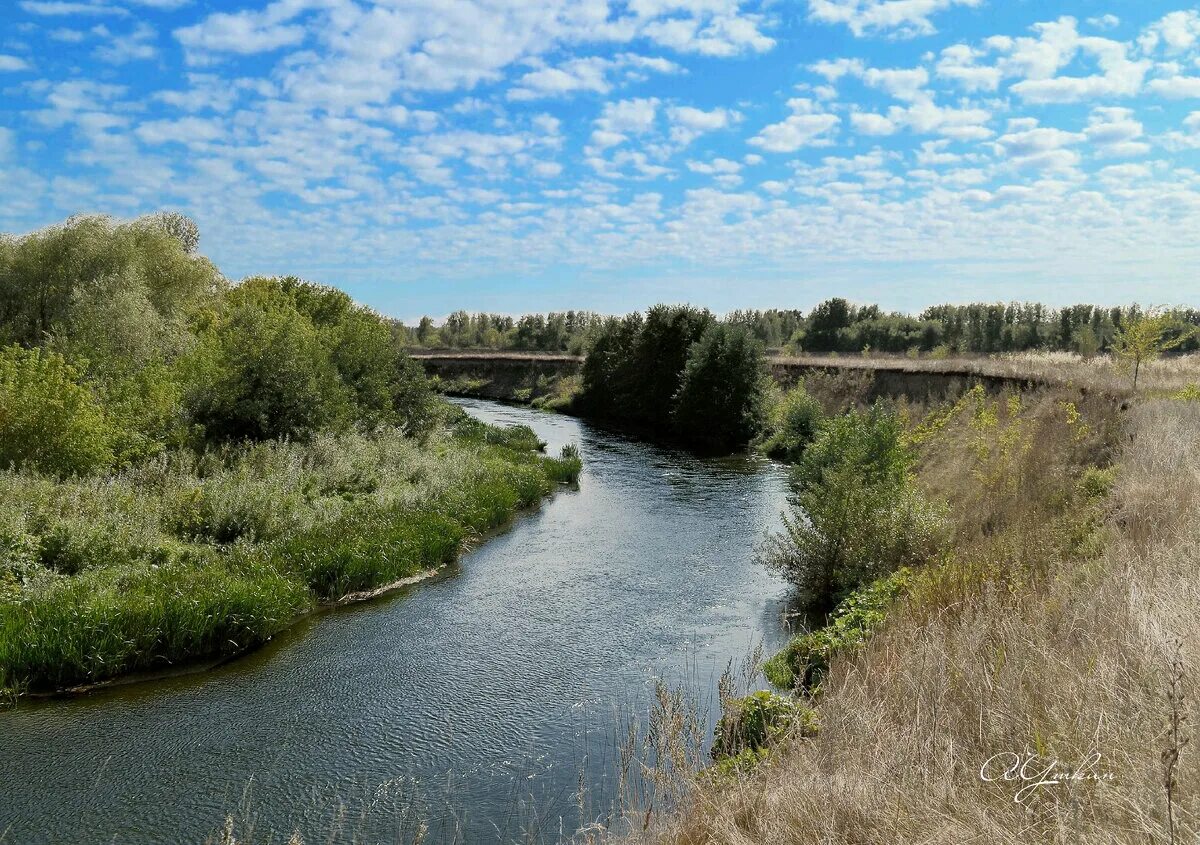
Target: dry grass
[1062, 630]
[1048, 368]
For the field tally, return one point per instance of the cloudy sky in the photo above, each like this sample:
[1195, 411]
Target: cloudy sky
[514, 155]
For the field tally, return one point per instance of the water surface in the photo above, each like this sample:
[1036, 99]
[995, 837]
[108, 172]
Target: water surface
[476, 702]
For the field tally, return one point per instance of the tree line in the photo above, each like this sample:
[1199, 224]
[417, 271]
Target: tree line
[838, 325]
[119, 341]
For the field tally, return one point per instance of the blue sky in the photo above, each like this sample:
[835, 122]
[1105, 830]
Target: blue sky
[514, 156]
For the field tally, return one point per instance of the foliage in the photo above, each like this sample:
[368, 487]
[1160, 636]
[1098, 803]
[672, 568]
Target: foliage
[635, 367]
[792, 424]
[755, 721]
[192, 556]
[568, 331]
[855, 513]
[60, 279]
[804, 661]
[266, 446]
[1145, 337]
[678, 374]
[722, 396]
[264, 373]
[48, 420]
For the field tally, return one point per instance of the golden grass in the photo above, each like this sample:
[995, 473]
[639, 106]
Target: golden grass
[1038, 639]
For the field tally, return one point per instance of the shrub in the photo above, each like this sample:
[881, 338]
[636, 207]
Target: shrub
[48, 420]
[855, 513]
[753, 722]
[792, 425]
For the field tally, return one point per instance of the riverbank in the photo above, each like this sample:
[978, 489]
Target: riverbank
[191, 559]
[1060, 630]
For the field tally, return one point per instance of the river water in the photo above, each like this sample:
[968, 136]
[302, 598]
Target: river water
[475, 704]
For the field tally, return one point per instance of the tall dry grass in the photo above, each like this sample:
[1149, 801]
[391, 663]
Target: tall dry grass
[1066, 629]
[1101, 372]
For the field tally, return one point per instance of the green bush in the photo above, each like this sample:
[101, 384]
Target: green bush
[804, 661]
[855, 513]
[48, 420]
[792, 424]
[755, 721]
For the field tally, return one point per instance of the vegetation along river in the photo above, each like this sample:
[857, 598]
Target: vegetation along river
[476, 702]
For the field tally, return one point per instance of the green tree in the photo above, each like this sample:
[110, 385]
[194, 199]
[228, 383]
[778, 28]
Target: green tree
[721, 401]
[265, 373]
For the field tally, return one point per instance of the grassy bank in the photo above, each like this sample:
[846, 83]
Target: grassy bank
[187, 464]
[1059, 629]
[196, 556]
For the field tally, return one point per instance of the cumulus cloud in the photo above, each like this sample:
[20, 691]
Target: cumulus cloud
[245, 32]
[1175, 32]
[63, 8]
[136, 45]
[897, 17]
[1029, 146]
[1115, 133]
[807, 126]
[590, 74]
[688, 123]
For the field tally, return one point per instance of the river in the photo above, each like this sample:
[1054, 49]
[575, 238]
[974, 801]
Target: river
[475, 704]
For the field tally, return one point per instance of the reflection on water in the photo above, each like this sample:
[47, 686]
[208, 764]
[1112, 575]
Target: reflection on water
[475, 702]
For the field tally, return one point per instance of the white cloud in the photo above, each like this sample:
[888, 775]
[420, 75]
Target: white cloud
[586, 74]
[688, 123]
[190, 131]
[13, 63]
[959, 64]
[807, 126]
[903, 84]
[898, 17]
[247, 32]
[62, 8]
[1176, 87]
[1115, 133]
[866, 123]
[1175, 32]
[136, 45]
[1036, 62]
[721, 35]
[1029, 146]
[835, 69]
[1108, 21]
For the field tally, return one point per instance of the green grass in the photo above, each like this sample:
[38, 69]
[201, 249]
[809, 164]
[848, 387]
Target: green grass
[194, 557]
